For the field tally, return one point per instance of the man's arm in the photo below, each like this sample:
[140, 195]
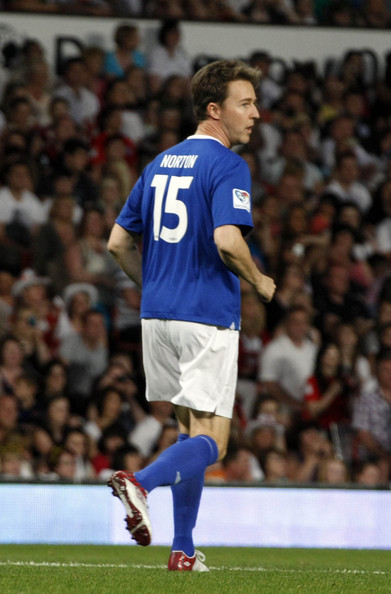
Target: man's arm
[123, 246]
[367, 440]
[277, 391]
[236, 255]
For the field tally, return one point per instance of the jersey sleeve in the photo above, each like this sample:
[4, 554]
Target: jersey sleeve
[231, 201]
[130, 216]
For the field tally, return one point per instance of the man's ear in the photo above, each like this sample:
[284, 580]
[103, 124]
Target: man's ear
[214, 111]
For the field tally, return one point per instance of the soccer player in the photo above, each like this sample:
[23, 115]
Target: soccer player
[191, 206]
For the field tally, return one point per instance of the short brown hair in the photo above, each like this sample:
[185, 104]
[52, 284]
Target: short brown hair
[123, 31]
[210, 83]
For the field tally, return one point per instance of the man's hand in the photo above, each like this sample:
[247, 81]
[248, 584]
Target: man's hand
[265, 288]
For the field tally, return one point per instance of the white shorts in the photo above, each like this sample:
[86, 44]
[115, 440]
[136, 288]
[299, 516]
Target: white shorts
[191, 364]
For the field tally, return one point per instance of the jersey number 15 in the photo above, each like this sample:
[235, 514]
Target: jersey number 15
[172, 205]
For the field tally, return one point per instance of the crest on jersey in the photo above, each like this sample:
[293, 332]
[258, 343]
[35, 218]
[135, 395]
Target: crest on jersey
[241, 199]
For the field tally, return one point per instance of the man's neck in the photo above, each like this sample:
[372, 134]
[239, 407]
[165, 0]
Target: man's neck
[17, 194]
[210, 128]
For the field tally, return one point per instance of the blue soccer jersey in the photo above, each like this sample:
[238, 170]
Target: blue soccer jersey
[178, 201]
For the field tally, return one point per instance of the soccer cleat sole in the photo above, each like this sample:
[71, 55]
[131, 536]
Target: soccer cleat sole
[137, 523]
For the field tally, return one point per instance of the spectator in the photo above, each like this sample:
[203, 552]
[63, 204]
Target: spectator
[111, 125]
[32, 293]
[83, 104]
[126, 314]
[355, 367]
[7, 299]
[333, 471]
[137, 81]
[13, 463]
[126, 53]
[264, 433]
[86, 356]
[87, 259]
[345, 184]
[119, 95]
[116, 148]
[168, 436]
[21, 213]
[94, 59]
[75, 158]
[288, 360]
[251, 344]
[11, 364]
[78, 298]
[147, 431]
[383, 226]
[339, 138]
[238, 466]
[335, 301]
[274, 466]
[308, 448]
[111, 197]
[326, 400]
[112, 440]
[41, 447]
[368, 474]
[55, 381]
[109, 411]
[52, 239]
[62, 464]
[30, 409]
[8, 417]
[290, 281]
[57, 419]
[270, 90]
[332, 101]
[127, 458]
[76, 442]
[372, 416]
[38, 87]
[167, 57]
[55, 137]
[294, 149]
[28, 331]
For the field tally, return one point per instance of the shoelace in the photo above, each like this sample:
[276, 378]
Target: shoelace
[200, 556]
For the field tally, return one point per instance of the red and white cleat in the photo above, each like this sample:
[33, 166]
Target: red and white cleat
[178, 561]
[134, 497]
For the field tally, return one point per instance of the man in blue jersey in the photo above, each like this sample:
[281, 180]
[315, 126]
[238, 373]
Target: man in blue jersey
[191, 206]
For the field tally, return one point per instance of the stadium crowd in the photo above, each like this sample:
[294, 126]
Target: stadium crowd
[314, 389]
[336, 13]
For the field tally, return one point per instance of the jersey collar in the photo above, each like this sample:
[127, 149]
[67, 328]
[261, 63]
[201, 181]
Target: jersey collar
[203, 137]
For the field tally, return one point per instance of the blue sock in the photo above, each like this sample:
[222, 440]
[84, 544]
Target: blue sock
[186, 497]
[179, 462]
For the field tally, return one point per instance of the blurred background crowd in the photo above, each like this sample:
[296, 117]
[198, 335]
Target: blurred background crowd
[338, 13]
[314, 391]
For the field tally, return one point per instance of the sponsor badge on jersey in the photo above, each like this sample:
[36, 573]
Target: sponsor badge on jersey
[241, 199]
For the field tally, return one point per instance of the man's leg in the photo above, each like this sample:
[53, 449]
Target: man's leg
[186, 497]
[183, 461]
[187, 494]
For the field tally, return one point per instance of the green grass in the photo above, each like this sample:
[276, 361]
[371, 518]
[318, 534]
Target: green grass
[27, 569]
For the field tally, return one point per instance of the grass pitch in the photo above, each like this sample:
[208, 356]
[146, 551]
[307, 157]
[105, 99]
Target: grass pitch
[43, 569]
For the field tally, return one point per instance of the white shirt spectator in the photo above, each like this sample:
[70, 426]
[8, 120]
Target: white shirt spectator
[163, 65]
[289, 365]
[356, 193]
[312, 174]
[83, 105]
[28, 210]
[132, 125]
